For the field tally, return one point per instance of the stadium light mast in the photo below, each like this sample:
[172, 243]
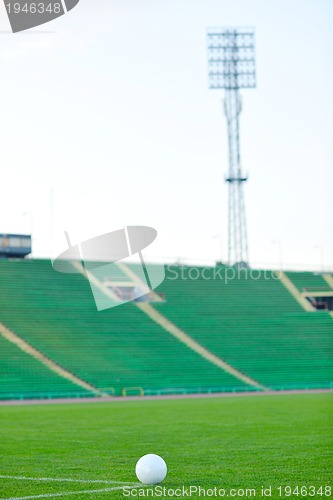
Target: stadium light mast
[231, 66]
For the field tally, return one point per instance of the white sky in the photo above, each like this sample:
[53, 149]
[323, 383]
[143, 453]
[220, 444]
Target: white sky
[107, 120]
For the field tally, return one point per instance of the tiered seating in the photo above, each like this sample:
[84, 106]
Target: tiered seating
[22, 376]
[255, 325]
[306, 280]
[112, 349]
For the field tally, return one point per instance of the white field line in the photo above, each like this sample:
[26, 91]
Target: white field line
[64, 480]
[83, 492]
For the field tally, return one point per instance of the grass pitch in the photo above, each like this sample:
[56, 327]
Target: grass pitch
[230, 443]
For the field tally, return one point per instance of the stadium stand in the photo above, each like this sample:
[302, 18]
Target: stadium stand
[316, 289]
[307, 280]
[21, 375]
[115, 349]
[253, 323]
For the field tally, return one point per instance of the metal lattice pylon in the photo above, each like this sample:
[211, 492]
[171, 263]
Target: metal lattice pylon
[231, 61]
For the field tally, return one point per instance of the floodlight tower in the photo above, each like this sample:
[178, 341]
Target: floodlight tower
[231, 63]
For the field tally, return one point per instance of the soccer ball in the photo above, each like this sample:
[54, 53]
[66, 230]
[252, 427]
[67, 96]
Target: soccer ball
[151, 469]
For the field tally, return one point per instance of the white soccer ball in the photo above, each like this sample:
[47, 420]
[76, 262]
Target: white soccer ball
[151, 469]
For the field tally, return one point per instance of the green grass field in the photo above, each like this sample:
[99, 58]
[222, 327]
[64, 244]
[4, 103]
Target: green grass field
[231, 442]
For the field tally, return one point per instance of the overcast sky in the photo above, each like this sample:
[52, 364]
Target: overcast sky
[107, 120]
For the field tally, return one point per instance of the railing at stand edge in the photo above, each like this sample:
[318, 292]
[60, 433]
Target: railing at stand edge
[128, 391]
